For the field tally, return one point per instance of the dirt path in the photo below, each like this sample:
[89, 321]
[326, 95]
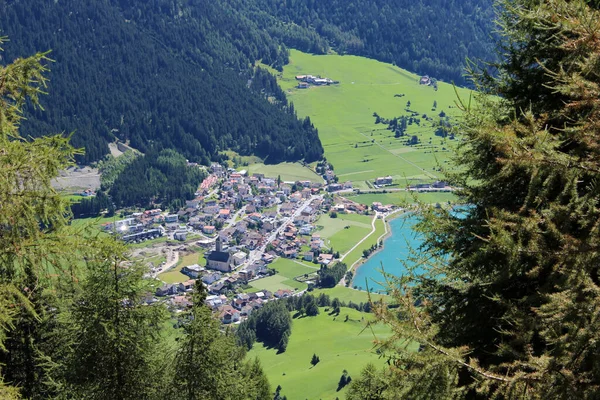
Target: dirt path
[172, 260]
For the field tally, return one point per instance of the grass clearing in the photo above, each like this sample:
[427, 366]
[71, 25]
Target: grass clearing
[289, 172]
[359, 149]
[345, 239]
[340, 345]
[331, 226]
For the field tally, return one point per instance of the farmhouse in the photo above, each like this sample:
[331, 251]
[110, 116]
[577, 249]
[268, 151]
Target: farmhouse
[385, 180]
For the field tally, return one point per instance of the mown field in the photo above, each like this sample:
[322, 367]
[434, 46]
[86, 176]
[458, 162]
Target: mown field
[340, 345]
[359, 149]
[287, 270]
[343, 232]
[289, 172]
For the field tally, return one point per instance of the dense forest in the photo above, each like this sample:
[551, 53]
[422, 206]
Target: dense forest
[159, 74]
[156, 178]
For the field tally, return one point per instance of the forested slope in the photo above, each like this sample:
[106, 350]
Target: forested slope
[432, 37]
[174, 74]
[156, 74]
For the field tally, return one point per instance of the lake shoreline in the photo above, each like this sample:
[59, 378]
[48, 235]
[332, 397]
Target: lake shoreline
[355, 267]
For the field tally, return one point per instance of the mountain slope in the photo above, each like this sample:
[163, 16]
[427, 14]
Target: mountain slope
[157, 75]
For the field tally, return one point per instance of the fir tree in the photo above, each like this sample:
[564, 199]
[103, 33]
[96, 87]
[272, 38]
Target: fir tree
[508, 307]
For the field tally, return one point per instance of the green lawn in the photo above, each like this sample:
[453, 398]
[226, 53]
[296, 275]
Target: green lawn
[403, 197]
[289, 172]
[293, 268]
[340, 345]
[276, 282]
[358, 148]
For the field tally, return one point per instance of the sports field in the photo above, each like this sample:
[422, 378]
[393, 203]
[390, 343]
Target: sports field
[340, 345]
[289, 172]
[276, 282]
[359, 149]
[293, 268]
[330, 227]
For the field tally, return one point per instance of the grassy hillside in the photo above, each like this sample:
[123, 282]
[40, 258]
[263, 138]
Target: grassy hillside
[340, 345]
[289, 172]
[358, 148]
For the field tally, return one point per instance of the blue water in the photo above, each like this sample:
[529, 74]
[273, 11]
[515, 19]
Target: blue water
[396, 248]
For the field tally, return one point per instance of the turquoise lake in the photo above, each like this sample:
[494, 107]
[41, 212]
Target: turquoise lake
[396, 247]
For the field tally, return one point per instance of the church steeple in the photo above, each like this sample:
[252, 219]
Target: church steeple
[219, 245]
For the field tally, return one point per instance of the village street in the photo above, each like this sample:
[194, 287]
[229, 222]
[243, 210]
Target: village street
[257, 254]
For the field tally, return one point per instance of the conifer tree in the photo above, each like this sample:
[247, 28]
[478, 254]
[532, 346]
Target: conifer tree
[209, 365]
[36, 249]
[509, 306]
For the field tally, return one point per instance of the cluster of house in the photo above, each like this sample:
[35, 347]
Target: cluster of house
[377, 206]
[306, 80]
[140, 226]
[228, 310]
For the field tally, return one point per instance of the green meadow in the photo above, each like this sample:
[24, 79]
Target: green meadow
[276, 282]
[343, 229]
[359, 149]
[293, 268]
[341, 345]
[289, 172]
[403, 197]
[347, 294]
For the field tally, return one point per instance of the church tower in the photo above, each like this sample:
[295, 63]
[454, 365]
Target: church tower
[219, 247]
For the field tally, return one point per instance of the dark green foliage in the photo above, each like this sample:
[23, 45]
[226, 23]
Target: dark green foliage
[345, 379]
[157, 177]
[158, 74]
[330, 276]
[272, 325]
[114, 334]
[74, 320]
[208, 362]
[93, 206]
[314, 360]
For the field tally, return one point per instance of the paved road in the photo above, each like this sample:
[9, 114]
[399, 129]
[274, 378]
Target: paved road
[256, 254]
